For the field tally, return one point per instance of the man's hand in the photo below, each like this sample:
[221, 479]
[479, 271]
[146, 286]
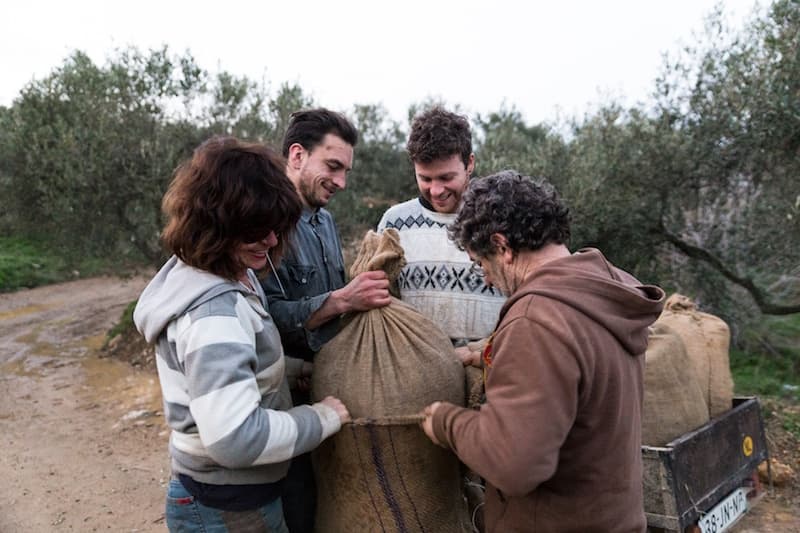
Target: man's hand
[427, 424]
[468, 357]
[366, 291]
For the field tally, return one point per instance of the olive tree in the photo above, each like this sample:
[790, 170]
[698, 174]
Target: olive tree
[734, 101]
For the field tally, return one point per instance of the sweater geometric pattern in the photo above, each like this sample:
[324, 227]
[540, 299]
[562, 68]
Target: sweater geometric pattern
[410, 221]
[437, 279]
[443, 277]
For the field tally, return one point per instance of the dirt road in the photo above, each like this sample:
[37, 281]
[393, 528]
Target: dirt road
[84, 446]
[83, 440]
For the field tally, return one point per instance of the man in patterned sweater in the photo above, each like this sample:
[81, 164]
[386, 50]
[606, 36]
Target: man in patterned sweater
[438, 279]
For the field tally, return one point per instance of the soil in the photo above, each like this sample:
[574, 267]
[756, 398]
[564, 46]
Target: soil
[83, 438]
[83, 435]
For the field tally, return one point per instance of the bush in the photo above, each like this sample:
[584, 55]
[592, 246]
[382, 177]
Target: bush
[26, 264]
[767, 361]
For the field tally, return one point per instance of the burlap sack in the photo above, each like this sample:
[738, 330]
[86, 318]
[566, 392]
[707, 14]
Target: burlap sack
[707, 340]
[476, 394]
[381, 473]
[474, 485]
[673, 400]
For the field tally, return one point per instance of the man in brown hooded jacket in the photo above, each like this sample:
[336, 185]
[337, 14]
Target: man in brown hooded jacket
[558, 440]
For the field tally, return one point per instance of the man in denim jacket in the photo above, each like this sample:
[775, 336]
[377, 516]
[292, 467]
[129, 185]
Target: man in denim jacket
[308, 294]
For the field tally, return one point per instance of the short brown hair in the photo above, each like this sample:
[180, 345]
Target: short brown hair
[438, 134]
[309, 127]
[230, 192]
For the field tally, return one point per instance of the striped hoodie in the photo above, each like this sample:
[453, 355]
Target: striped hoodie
[222, 373]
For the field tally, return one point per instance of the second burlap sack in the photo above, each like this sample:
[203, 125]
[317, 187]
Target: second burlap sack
[674, 403]
[381, 473]
[707, 340]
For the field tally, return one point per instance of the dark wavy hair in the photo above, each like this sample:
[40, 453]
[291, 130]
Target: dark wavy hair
[528, 212]
[310, 126]
[438, 134]
[230, 192]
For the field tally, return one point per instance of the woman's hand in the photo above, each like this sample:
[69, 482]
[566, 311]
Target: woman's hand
[338, 406]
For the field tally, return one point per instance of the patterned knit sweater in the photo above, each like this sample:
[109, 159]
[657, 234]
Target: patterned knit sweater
[222, 373]
[437, 279]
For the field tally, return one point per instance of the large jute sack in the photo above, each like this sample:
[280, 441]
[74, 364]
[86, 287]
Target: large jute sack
[707, 339]
[476, 393]
[381, 473]
[674, 403]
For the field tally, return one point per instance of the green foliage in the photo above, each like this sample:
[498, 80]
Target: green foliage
[290, 98]
[25, 263]
[733, 100]
[382, 174]
[791, 423]
[87, 152]
[125, 322]
[90, 150]
[505, 141]
[767, 361]
[763, 375]
[700, 189]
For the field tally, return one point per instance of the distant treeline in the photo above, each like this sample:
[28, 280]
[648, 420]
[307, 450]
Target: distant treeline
[697, 190]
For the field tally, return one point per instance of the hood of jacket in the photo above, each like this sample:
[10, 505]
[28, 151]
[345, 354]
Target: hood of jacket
[176, 289]
[587, 282]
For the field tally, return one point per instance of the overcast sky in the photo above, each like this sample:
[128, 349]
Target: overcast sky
[547, 58]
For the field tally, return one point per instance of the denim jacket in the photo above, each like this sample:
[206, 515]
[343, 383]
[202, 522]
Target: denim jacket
[312, 267]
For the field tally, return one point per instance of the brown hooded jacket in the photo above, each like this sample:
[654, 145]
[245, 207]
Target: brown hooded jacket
[558, 440]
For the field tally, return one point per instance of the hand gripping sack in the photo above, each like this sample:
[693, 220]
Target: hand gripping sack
[381, 473]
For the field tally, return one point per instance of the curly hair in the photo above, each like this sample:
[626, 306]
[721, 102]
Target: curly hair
[309, 127]
[438, 134]
[230, 192]
[528, 212]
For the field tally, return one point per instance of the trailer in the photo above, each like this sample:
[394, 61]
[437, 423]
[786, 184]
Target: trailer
[705, 480]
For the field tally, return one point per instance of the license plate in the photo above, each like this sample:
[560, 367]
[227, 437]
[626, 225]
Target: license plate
[725, 512]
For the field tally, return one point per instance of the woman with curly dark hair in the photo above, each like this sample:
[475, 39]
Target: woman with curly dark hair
[558, 439]
[219, 357]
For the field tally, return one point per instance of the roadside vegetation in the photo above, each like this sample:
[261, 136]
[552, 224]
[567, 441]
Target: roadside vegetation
[28, 263]
[767, 361]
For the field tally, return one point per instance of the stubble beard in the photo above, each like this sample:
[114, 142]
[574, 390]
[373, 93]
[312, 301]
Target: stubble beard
[309, 195]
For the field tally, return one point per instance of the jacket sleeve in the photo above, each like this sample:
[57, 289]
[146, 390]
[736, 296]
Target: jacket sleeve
[290, 315]
[513, 441]
[224, 398]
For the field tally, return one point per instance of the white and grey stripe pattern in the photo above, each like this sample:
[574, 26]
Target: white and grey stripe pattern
[221, 368]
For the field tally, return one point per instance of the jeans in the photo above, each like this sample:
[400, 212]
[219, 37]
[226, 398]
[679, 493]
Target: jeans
[185, 515]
